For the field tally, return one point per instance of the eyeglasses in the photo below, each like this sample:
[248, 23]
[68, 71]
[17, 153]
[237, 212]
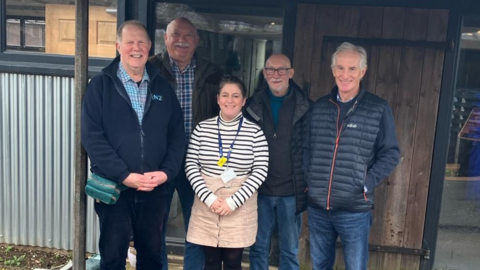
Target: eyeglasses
[280, 71]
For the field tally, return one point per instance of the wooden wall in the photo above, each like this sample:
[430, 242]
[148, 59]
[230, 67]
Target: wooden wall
[409, 78]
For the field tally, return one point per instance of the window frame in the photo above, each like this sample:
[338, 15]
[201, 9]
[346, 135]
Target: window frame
[289, 17]
[40, 63]
[22, 46]
[288, 35]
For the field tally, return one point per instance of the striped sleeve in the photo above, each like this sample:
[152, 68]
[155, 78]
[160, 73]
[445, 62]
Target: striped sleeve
[192, 168]
[259, 171]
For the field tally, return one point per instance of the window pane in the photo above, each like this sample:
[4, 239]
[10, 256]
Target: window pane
[458, 241]
[49, 26]
[237, 38]
[35, 33]
[13, 32]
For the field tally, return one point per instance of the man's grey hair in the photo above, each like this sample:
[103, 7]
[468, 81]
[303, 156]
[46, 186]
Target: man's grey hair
[181, 19]
[349, 47]
[136, 23]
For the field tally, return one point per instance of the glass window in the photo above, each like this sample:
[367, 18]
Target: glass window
[13, 32]
[23, 34]
[237, 38]
[458, 239]
[35, 33]
[49, 26]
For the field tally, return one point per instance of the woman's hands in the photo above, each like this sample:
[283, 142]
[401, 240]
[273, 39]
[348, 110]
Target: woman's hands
[220, 207]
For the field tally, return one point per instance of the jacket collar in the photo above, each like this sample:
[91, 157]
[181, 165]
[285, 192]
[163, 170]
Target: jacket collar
[111, 69]
[201, 65]
[359, 97]
[255, 107]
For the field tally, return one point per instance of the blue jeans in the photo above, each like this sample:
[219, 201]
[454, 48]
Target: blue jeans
[193, 256]
[273, 209]
[353, 229]
[143, 218]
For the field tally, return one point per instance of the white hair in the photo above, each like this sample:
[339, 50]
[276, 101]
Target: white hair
[345, 46]
[181, 19]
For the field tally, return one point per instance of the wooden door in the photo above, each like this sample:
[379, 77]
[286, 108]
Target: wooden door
[405, 49]
[60, 31]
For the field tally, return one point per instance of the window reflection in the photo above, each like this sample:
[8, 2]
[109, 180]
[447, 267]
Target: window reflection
[458, 239]
[49, 26]
[13, 32]
[35, 33]
[237, 38]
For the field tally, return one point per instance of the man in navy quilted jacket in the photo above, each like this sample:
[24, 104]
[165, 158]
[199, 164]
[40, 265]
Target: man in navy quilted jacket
[351, 146]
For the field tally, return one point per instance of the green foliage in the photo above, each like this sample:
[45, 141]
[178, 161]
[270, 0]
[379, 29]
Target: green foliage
[16, 261]
[451, 172]
[8, 249]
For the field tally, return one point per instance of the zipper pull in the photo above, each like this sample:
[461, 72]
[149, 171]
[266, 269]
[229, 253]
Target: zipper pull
[141, 131]
[275, 135]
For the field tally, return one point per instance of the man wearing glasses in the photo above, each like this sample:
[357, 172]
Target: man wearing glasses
[280, 108]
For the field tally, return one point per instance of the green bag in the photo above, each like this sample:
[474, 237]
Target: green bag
[103, 190]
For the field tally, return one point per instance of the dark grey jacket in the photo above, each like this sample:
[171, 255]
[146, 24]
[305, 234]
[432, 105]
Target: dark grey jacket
[206, 82]
[255, 112]
[342, 161]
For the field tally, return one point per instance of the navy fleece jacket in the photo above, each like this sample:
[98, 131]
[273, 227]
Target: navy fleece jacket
[116, 143]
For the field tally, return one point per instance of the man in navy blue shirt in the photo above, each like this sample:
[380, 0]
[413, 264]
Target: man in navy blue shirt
[132, 130]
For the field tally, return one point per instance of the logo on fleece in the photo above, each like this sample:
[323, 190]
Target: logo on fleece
[157, 97]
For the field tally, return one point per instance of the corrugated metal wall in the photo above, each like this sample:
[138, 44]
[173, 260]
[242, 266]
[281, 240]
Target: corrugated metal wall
[36, 162]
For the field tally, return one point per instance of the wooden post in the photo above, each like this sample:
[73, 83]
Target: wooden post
[81, 77]
[304, 245]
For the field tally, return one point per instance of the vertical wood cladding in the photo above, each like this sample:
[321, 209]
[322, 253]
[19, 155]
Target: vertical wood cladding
[409, 78]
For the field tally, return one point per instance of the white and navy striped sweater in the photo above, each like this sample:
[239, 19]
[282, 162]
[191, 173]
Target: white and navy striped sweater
[249, 157]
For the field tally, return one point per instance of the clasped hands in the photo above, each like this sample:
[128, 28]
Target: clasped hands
[145, 182]
[220, 207]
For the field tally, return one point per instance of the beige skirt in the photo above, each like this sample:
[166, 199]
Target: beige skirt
[236, 230]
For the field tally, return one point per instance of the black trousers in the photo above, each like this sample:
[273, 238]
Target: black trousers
[231, 258]
[142, 217]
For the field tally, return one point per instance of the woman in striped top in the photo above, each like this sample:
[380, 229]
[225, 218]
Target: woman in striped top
[227, 161]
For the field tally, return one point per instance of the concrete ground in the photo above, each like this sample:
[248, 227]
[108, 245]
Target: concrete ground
[176, 263]
[458, 249]
[458, 241]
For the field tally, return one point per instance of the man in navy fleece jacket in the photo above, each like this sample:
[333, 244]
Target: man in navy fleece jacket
[132, 130]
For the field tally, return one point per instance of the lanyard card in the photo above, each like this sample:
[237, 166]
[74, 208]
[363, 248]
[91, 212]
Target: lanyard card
[228, 175]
